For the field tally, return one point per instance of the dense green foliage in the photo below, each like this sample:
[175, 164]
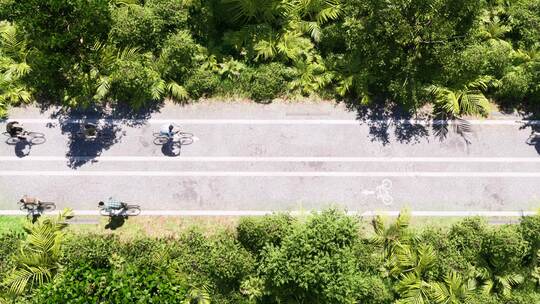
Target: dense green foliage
[455, 54]
[322, 258]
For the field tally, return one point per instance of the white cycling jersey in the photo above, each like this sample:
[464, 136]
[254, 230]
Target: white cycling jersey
[165, 130]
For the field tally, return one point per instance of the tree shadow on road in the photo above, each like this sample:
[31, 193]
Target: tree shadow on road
[381, 118]
[82, 149]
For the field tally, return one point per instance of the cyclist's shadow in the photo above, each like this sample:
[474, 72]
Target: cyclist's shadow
[116, 221]
[171, 148]
[22, 148]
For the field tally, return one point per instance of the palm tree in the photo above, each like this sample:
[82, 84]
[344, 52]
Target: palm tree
[409, 266]
[311, 75]
[454, 290]
[291, 45]
[13, 68]
[491, 281]
[466, 99]
[39, 254]
[392, 236]
[258, 11]
[453, 103]
[198, 295]
[309, 15]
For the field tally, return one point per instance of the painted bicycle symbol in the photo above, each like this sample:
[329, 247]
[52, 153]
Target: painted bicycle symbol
[382, 192]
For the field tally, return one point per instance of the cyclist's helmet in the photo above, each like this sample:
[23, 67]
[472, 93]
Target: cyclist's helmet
[101, 203]
[171, 127]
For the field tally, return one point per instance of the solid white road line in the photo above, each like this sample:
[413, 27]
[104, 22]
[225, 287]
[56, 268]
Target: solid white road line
[271, 174]
[276, 159]
[274, 121]
[265, 212]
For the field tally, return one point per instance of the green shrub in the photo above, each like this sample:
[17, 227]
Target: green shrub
[446, 250]
[178, 55]
[315, 262]
[504, 249]
[227, 262]
[255, 232]
[514, 85]
[529, 227]
[136, 26]
[92, 251]
[467, 237]
[201, 83]
[133, 82]
[523, 297]
[374, 290]
[264, 82]
[172, 14]
[9, 245]
[124, 284]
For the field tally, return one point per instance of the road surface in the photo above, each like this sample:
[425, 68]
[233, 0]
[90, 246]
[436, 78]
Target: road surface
[276, 157]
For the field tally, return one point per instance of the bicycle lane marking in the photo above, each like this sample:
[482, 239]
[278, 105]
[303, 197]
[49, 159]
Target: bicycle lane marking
[427, 213]
[274, 121]
[276, 159]
[272, 174]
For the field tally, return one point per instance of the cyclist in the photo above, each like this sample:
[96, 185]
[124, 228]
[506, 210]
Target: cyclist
[111, 205]
[90, 130]
[29, 202]
[14, 128]
[169, 130]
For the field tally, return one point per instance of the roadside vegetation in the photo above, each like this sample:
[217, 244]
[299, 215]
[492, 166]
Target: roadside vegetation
[317, 258]
[455, 55]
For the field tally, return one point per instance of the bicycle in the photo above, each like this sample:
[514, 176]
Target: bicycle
[35, 208]
[34, 138]
[181, 138]
[91, 132]
[127, 210]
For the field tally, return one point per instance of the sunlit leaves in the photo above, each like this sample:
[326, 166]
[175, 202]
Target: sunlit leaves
[37, 261]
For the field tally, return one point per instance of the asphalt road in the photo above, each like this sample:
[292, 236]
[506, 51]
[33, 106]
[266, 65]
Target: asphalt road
[274, 157]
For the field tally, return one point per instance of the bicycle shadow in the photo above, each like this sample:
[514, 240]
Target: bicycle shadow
[116, 221]
[22, 148]
[171, 149]
[535, 134]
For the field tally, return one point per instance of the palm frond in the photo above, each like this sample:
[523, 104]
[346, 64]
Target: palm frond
[265, 49]
[198, 295]
[176, 91]
[128, 54]
[103, 88]
[38, 259]
[158, 89]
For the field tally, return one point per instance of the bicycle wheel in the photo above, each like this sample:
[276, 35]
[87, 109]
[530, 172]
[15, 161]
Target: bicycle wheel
[104, 212]
[48, 206]
[185, 140]
[11, 140]
[23, 207]
[532, 140]
[184, 134]
[132, 210]
[36, 138]
[161, 140]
